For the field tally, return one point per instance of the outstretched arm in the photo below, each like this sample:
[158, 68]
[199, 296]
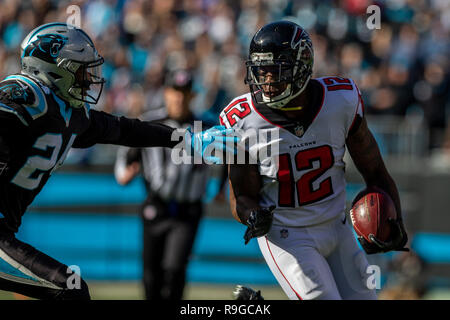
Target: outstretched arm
[109, 129]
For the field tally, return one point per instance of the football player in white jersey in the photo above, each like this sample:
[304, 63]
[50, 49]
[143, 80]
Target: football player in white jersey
[293, 200]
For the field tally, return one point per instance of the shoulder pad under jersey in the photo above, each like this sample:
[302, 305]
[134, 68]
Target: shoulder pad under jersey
[24, 97]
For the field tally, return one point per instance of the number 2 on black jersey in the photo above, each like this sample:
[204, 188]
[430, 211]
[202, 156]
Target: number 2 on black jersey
[304, 160]
[30, 175]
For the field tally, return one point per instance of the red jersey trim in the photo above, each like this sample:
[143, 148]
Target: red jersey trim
[318, 111]
[256, 110]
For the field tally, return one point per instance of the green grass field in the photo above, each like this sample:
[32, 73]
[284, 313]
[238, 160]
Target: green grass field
[134, 291]
[194, 291]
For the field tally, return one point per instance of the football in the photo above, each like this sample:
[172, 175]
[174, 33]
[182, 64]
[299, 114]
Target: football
[370, 212]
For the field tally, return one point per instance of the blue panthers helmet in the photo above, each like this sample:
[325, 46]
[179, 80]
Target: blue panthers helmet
[65, 59]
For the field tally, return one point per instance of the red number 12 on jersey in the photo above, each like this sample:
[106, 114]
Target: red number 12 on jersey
[306, 193]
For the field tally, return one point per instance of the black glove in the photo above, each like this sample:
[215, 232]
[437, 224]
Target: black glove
[246, 293]
[398, 240]
[258, 223]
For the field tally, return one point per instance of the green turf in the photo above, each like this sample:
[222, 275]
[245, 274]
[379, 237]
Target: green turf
[194, 291]
[438, 294]
[134, 291]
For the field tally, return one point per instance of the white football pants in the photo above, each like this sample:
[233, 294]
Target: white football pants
[318, 262]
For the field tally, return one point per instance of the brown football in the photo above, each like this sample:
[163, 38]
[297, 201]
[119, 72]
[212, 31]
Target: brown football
[370, 212]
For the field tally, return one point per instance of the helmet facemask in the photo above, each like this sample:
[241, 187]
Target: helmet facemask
[270, 81]
[88, 81]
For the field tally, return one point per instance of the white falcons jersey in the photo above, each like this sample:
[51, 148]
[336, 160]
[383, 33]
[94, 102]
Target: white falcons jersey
[303, 175]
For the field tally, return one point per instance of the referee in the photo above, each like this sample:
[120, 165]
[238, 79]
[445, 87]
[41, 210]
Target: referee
[173, 208]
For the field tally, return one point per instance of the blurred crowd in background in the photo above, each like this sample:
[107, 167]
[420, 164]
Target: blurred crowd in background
[401, 68]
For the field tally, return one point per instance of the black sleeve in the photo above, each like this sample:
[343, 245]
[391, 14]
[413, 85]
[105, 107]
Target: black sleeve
[14, 125]
[109, 129]
[4, 154]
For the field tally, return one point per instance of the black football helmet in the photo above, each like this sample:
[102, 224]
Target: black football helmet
[280, 64]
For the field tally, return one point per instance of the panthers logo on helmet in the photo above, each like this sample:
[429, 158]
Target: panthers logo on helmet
[46, 47]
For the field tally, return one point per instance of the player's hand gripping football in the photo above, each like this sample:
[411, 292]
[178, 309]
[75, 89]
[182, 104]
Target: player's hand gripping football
[218, 137]
[398, 240]
[258, 223]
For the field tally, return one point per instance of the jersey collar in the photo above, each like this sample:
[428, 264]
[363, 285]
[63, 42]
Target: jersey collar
[297, 127]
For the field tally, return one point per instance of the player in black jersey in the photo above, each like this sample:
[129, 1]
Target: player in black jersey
[44, 111]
